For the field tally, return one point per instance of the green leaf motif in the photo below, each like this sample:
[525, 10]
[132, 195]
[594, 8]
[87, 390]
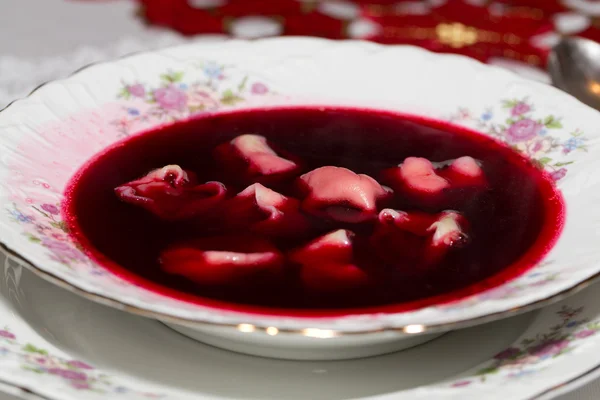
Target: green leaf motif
[509, 103]
[41, 212]
[230, 98]
[29, 348]
[195, 109]
[32, 369]
[562, 164]
[124, 93]
[488, 370]
[172, 77]
[60, 225]
[537, 163]
[33, 239]
[552, 123]
[594, 326]
[544, 160]
[177, 76]
[510, 121]
[242, 84]
[231, 101]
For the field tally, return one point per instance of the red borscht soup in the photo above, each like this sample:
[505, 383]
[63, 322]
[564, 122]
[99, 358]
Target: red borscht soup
[313, 209]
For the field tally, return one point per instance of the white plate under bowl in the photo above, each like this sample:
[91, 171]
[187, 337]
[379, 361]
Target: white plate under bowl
[58, 346]
[46, 137]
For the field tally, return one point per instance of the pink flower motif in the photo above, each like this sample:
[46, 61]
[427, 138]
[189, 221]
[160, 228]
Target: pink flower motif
[46, 362]
[537, 148]
[550, 348]
[136, 90]
[42, 228]
[79, 364]
[461, 384]
[80, 385]
[58, 236]
[203, 100]
[50, 209]
[558, 174]
[63, 251]
[519, 109]
[508, 353]
[171, 98]
[259, 88]
[523, 130]
[68, 374]
[123, 123]
[463, 113]
[7, 334]
[585, 333]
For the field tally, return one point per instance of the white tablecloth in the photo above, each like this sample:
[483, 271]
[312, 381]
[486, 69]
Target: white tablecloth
[46, 39]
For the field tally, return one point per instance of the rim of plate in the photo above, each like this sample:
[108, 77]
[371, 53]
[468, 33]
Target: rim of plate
[262, 328]
[30, 392]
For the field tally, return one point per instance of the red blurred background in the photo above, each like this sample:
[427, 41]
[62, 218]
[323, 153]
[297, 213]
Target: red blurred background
[520, 30]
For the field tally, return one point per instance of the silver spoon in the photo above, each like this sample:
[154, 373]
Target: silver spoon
[574, 66]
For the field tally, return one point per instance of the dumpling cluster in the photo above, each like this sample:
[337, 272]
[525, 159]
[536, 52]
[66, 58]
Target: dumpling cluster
[336, 226]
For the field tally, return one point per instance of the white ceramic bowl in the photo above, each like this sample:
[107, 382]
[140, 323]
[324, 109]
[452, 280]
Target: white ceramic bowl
[46, 137]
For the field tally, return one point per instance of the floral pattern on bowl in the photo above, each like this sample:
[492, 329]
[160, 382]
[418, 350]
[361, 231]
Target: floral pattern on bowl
[49, 230]
[175, 98]
[44, 148]
[528, 134]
